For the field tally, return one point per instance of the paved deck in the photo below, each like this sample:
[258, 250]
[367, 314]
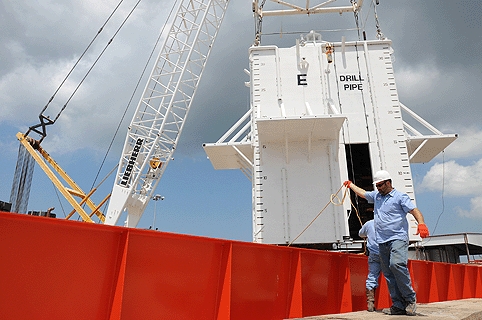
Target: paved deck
[467, 309]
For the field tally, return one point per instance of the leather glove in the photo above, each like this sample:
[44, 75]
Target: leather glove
[422, 230]
[347, 183]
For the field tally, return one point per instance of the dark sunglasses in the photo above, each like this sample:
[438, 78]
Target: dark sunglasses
[380, 184]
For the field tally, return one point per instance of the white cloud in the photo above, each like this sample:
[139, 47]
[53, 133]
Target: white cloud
[457, 181]
[25, 89]
[453, 178]
[417, 80]
[41, 61]
[468, 144]
[446, 95]
[475, 209]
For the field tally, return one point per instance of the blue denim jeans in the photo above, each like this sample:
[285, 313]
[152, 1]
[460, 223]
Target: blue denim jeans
[374, 269]
[394, 258]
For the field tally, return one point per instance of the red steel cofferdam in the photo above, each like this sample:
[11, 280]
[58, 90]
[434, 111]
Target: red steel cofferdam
[60, 269]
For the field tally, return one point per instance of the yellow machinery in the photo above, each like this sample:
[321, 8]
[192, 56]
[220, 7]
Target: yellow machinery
[56, 174]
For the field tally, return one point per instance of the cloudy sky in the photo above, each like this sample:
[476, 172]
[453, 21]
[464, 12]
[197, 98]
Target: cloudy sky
[438, 69]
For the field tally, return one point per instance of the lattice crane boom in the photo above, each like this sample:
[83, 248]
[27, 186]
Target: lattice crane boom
[161, 113]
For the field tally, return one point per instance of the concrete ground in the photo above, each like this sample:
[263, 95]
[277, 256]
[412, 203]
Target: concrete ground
[467, 309]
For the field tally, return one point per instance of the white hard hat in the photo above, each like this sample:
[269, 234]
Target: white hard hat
[381, 175]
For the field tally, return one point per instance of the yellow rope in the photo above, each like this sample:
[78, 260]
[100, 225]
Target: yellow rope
[339, 202]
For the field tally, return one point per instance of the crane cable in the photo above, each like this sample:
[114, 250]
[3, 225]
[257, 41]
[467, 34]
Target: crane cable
[50, 122]
[81, 56]
[100, 55]
[45, 120]
[419, 245]
[332, 201]
[133, 95]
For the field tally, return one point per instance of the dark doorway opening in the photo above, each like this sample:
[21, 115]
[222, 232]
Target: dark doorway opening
[360, 173]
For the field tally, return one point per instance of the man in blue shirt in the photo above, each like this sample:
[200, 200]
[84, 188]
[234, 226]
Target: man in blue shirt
[391, 229]
[368, 231]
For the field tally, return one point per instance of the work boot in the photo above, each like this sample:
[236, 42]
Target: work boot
[371, 300]
[411, 309]
[394, 311]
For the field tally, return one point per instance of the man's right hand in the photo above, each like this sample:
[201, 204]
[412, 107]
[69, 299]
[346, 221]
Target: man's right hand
[347, 183]
[422, 230]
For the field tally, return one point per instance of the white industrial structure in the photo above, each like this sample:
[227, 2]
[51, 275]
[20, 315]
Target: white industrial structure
[321, 113]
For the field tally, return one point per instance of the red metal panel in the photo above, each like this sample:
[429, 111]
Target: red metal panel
[451, 287]
[324, 280]
[116, 309]
[441, 278]
[470, 273]
[296, 305]
[261, 281]
[457, 282]
[55, 269]
[318, 296]
[382, 294]
[358, 265]
[478, 290]
[420, 272]
[345, 296]
[224, 310]
[171, 276]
